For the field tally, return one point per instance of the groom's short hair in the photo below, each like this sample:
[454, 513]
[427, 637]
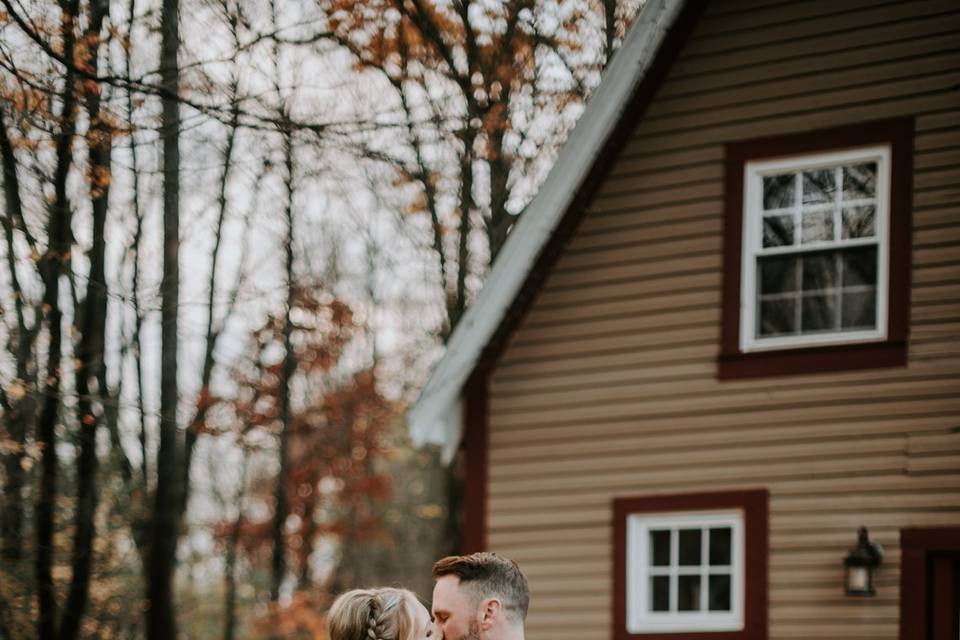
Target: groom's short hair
[488, 575]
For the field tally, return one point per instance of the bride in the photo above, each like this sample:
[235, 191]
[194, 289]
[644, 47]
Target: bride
[379, 614]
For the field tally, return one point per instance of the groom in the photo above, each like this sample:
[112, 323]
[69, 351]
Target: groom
[481, 596]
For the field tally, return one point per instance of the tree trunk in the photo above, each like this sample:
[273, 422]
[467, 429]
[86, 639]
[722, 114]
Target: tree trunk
[230, 570]
[53, 264]
[279, 565]
[90, 352]
[19, 411]
[459, 305]
[610, 28]
[161, 618]
[500, 218]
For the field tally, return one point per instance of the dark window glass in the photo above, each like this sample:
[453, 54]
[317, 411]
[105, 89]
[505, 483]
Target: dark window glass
[688, 593]
[860, 181]
[819, 312]
[820, 271]
[720, 546]
[817, 226]
[858, 222]
[819, 186]
[859, 266]
[719, 599]
[859, 310]
[778, 317]
[778, 191]
[777, 274]
[777, 231]
[660, 543]
[660, 593]
[689, 547]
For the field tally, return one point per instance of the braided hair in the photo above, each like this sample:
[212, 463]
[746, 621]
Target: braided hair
[372, 614]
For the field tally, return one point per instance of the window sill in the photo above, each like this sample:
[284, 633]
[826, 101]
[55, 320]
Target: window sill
[778, 362]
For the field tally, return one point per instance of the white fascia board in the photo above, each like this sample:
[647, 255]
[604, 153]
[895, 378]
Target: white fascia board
[437, 415]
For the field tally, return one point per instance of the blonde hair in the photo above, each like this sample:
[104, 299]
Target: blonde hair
[372, 614]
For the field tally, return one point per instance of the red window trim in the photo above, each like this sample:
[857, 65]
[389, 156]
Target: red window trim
[892, 352]
[475, 446]
[755, 521]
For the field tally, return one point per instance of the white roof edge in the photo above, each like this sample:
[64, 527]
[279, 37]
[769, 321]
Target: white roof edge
[432, 419]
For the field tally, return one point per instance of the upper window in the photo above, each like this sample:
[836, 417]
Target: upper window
[816, 251]
[689, 565]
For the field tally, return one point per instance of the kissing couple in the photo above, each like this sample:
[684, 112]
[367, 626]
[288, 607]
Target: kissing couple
[481, 596]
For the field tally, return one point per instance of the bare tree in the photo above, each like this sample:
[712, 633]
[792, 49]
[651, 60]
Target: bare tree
[53, 265]
[91, 367]
[168, 497]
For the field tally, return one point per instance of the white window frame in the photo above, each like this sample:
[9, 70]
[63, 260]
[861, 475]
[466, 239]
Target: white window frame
[639, 617]
[752, 244]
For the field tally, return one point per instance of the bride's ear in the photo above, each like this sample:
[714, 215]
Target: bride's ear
[491, 609]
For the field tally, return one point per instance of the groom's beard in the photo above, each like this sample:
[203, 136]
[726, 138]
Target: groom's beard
[472, 634]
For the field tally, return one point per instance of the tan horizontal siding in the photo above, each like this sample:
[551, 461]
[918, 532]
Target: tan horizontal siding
[834, 53]
[608, 388]
[938, 99]
[793, 38]
[871, 79]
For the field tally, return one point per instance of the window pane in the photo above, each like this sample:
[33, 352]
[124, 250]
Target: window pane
[819, 312]
[858, 222]
[688, 593]
[720, 552]
[660, 545]
[778, 317]
[719, 593]
[660, 593]
[689, 547]
[819, 186]
[777, 231]
[777, 274]
[859, 266]
[860, 181]
[778, 191]
[859, 310]
[817, 226]
[820, 271]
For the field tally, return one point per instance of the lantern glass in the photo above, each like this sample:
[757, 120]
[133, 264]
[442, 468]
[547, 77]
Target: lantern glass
[860, 581]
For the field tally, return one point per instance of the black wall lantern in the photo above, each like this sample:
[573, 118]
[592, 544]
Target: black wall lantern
[861, 564]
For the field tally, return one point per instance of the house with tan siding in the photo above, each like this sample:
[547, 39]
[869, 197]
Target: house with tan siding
[725, 335]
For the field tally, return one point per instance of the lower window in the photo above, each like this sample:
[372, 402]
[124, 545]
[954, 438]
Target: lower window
[691, 566]
[685, 572]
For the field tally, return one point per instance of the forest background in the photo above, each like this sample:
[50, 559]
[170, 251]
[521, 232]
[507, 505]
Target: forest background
[235, 236]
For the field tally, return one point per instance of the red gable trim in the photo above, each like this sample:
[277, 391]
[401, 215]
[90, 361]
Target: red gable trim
[475, 443]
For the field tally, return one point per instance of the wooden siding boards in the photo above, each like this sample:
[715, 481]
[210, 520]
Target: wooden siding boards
[607, 388]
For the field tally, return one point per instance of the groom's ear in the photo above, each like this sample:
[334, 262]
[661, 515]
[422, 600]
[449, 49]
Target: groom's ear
[490, 610]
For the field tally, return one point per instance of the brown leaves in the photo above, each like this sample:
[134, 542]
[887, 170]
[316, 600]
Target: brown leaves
[99, 179]
[336, 442]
